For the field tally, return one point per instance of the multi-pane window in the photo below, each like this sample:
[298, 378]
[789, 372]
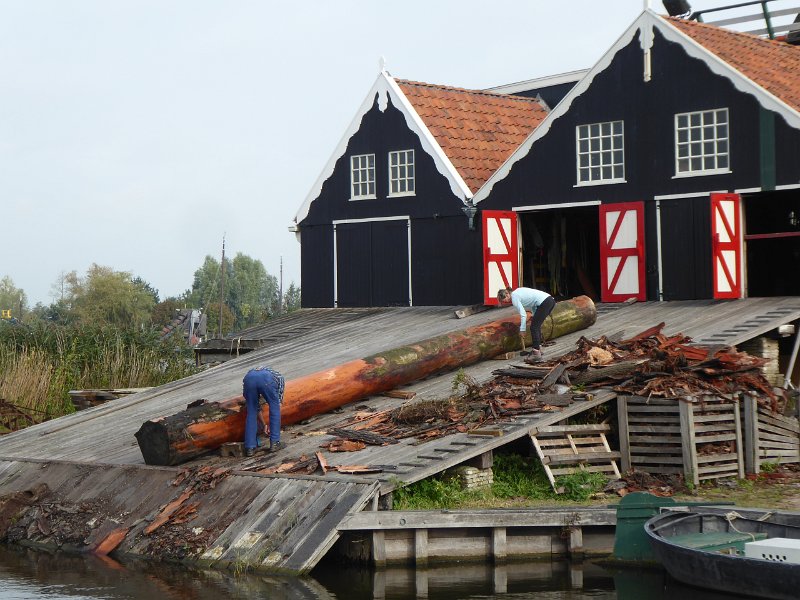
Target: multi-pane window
[600, 150]
[401, 172]
[701, 142]
[362, 176]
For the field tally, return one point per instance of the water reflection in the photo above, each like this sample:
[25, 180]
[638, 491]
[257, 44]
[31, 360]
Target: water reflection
[29, 575]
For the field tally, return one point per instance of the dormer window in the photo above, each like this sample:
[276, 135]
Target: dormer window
[600, 153]
[362, 176]
[701, 143]
[401, 173]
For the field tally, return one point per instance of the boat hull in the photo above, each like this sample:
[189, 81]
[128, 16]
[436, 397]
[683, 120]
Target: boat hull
[730, 573]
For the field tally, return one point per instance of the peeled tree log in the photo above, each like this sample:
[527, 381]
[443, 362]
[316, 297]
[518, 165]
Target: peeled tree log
[199, 429]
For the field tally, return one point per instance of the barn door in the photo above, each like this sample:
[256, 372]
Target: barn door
[622, 252]
[500, 256]
[726, 245]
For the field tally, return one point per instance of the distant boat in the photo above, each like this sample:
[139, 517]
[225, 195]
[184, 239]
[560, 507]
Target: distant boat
[751, 552]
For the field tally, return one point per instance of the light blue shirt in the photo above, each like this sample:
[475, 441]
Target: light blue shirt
[523, 299]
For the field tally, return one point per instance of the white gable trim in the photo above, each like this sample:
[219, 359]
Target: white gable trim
[386, 87]
[646, 22]
[560, 109]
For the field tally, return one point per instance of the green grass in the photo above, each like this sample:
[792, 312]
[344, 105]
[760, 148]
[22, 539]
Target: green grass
[518, 481]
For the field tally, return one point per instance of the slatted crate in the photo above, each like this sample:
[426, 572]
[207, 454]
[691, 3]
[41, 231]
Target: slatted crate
[698, 437]
[769, 437]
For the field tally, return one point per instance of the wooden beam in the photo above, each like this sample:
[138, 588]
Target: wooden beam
[174, 439]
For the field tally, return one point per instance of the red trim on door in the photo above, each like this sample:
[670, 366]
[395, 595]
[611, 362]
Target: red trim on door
[500, 252]
[622, 252]
[726, 245]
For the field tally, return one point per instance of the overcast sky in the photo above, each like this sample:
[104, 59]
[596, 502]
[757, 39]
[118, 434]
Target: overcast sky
[135, 134]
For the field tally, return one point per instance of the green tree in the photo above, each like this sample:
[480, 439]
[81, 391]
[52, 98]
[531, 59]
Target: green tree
[291, 298]
[105, 296]
[12, 298]
[250, 292]
[165, 311]
[228, 319]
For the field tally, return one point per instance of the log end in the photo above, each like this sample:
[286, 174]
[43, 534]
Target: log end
[153, 443]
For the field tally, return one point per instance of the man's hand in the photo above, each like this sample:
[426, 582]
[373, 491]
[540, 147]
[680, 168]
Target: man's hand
[522, 341]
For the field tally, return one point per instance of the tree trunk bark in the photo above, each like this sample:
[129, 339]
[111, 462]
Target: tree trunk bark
[175, 439]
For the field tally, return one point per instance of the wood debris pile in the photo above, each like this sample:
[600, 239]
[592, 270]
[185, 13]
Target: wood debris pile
[653, 364]
[647, 364]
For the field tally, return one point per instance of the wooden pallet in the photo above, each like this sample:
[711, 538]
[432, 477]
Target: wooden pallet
[566, 449]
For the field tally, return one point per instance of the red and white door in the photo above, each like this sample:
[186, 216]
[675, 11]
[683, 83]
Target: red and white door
[500, 254]
[726, 245]
[622, 252]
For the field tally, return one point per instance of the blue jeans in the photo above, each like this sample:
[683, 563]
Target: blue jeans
[267, 384]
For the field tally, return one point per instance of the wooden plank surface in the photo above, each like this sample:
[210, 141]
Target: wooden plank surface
[105, 433]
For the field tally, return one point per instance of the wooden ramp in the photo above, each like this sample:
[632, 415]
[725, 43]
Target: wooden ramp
[213, 517]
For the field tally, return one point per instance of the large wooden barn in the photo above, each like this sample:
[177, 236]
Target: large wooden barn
[667, 171]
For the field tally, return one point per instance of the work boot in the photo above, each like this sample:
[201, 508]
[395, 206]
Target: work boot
[275, 446]
[248, 452]
[535, 356]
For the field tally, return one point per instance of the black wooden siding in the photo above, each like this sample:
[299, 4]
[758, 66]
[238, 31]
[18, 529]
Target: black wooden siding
[679, 84]
[445, 254]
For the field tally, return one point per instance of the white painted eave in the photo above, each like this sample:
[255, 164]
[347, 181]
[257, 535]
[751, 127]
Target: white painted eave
[385, 87]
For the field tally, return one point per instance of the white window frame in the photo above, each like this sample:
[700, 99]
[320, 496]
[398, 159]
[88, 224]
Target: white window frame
[404, 177]
[717, 146]
[596, 145]
[360, 167]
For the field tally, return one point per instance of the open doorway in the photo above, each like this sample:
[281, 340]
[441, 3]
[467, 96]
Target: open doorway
[559, 251]
[772, 237]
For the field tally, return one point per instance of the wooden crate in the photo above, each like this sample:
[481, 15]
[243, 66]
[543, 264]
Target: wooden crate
[698, 437]
[565, 449]
[769, 437]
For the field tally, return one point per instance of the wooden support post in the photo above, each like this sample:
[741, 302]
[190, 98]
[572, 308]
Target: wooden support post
[386, 501]
[500, 579]
[379, 585]
[378, 548]
[499, 544]
[624, 439]
[737, 419]
[421, 547]
[575, 541]
[751, 441]
[690, 466]
[421, 583]
[482, 461]
[576, 576]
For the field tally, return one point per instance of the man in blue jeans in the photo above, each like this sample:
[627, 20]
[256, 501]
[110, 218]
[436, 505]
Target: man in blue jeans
[262, 382]
[539, 303]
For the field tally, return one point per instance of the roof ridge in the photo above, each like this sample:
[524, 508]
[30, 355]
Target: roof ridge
[733, 32]
[451, 88]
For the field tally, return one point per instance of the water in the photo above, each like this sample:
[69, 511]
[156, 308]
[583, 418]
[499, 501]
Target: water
[28, 575]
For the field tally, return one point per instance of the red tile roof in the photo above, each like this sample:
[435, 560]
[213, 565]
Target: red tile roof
[771, 64]
[477, 130]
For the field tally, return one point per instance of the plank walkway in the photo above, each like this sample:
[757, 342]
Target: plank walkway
[104, 435]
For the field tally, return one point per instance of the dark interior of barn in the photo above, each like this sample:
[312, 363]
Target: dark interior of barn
[772, 236]
[559, 251]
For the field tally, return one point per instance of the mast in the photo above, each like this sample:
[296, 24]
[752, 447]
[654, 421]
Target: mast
[280, 291]
[222, 287]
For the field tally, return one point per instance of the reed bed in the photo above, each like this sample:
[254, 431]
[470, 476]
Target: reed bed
[40, 365]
